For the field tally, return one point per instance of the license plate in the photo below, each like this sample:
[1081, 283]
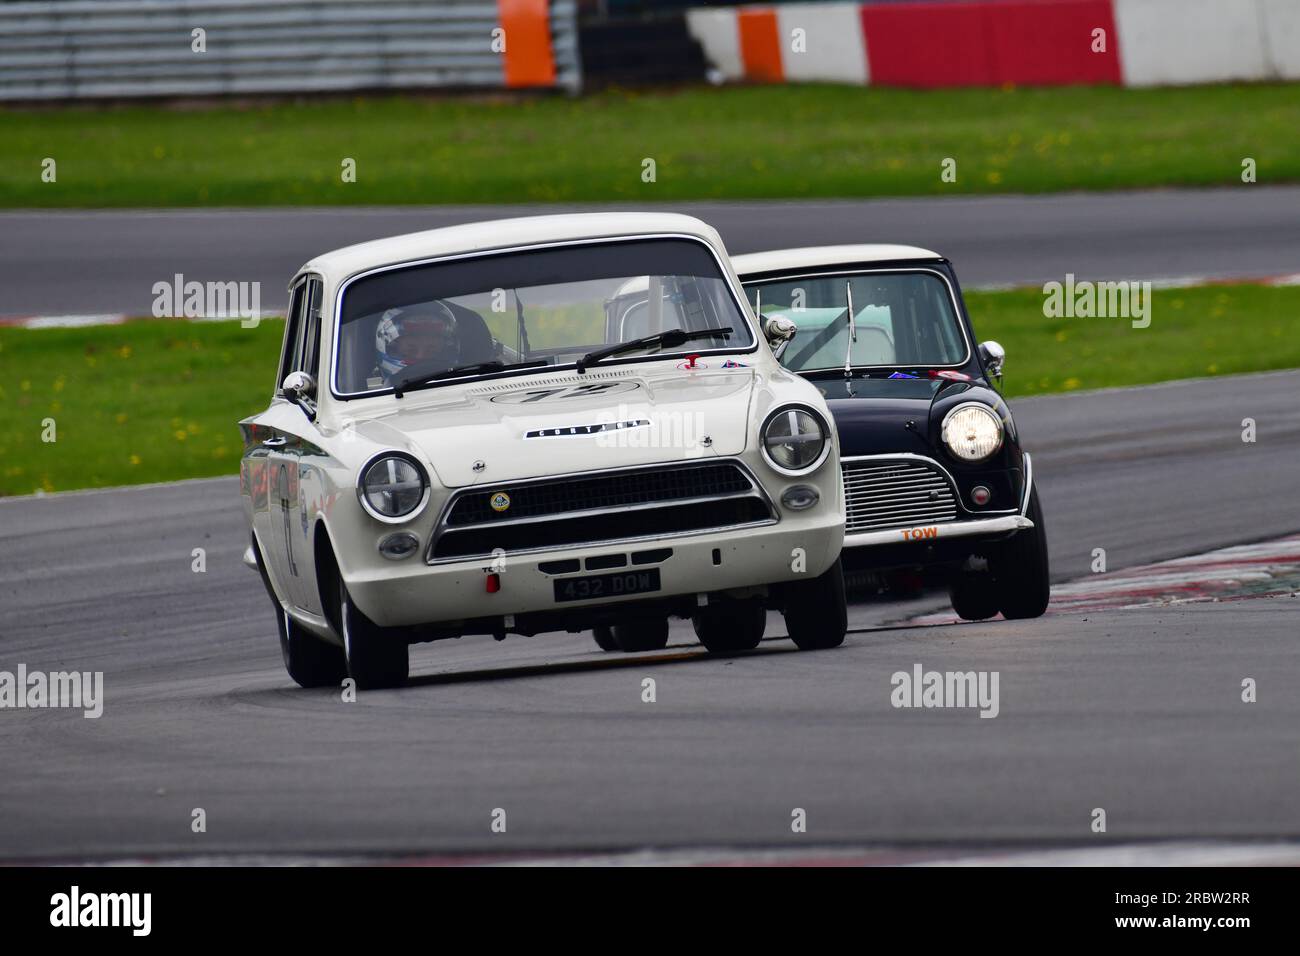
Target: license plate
[607, 585]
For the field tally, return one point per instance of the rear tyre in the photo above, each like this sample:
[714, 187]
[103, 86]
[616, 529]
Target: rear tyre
[311, 661]
[815, 612]
[974, 596]
[604, 636]
[644, 634]
[1022, 570]
[730, 626]
[375, 659]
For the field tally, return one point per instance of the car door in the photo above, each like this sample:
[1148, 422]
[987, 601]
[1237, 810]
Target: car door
[263, 435]
[292, 437]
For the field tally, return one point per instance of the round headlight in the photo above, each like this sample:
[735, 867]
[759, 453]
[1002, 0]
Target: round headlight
[392, 486]
[795, 439]
[972, 432]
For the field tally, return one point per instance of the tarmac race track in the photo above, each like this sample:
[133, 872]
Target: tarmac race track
[1135, 711]
[90, 262]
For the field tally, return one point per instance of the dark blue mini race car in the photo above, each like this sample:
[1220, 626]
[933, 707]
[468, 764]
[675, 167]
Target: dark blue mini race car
[937, 486]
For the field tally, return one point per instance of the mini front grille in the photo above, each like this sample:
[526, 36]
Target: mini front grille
[593, 509]
[895, 493]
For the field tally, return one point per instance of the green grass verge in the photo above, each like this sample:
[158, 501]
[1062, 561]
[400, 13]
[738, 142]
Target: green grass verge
[735, 142]
[141, 402]
[1194, 332]
[158, 400]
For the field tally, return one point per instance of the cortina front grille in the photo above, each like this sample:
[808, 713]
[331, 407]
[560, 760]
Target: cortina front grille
[592, 509]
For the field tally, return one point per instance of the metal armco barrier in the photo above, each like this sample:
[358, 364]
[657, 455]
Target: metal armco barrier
[89, 49]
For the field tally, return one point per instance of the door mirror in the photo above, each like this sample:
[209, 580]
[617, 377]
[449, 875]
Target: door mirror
[993, 356]
[779, 332]
[300, 388]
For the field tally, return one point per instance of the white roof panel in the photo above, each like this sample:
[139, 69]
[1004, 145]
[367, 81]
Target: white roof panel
[816, 257]
[503, 233]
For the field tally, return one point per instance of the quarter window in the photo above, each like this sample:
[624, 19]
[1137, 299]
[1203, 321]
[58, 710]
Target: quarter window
[302, 330]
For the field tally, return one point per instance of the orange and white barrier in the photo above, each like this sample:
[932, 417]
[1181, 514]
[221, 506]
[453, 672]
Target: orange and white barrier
[941, 43]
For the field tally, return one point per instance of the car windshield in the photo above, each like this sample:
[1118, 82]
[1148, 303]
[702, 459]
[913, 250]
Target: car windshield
[550, 306]
[900, 319]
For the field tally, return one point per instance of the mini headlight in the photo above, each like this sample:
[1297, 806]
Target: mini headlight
[794, 439]
[392, 486]
[972, 432]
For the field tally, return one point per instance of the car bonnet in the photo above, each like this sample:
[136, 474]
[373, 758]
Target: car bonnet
[531, 426]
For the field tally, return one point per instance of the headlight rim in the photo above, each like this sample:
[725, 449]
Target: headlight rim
[828, 440]
[997, 421]
[424, 480]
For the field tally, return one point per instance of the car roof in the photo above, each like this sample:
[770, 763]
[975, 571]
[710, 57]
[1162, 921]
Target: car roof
[505, 233]
[807, 257]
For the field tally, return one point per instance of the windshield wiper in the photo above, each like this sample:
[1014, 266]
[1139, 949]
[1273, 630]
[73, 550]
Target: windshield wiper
[524, 348]
[669, 340]
[853, 330]
[420, 379]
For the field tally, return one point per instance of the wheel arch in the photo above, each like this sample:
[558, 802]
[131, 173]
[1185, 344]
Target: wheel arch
[327, 575]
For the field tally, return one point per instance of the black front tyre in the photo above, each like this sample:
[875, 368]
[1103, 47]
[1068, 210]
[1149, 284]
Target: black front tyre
[974, 595]
[644, 634]
[375, 659]
[1022, 570]
[815, 611]
[727, 626]
[604, 635]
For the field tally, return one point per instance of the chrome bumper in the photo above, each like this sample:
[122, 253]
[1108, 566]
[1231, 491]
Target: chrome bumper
[952, 529]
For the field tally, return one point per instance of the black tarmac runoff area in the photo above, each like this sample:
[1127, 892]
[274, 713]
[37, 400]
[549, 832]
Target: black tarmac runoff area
[1136, 711]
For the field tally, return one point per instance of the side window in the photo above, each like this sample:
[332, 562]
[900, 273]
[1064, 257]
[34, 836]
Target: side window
[310, 357]
[302, 330]
[292, 334]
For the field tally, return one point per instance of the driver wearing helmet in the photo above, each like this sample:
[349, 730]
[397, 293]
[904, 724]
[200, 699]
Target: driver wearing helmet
[420, 334]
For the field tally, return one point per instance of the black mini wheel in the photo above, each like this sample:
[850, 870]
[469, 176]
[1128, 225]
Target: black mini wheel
[644, 634]
[375, 659]
[815, 611]
[974, 596]
[604, 636]
[1022, 569]
[727, 626]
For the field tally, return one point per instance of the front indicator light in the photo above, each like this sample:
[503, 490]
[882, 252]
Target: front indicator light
[800, 497]
[395, 547]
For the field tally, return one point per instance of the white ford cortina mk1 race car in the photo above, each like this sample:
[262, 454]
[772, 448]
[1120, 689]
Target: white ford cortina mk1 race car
[550, 424]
